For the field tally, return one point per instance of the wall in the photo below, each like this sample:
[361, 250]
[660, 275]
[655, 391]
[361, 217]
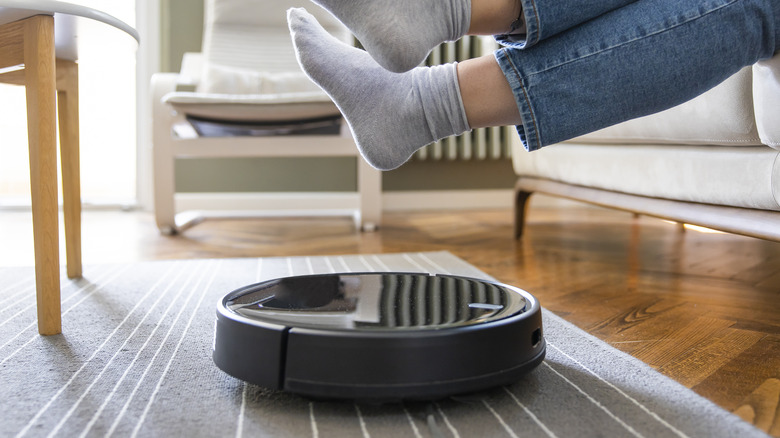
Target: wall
[181, 31]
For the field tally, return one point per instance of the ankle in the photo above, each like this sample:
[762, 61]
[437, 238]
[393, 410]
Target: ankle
[493, 17]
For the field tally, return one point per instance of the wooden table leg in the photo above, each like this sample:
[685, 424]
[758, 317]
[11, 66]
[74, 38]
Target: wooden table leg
[40, 82]
[68, 110]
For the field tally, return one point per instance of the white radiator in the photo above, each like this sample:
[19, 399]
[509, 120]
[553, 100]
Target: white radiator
[479, 144]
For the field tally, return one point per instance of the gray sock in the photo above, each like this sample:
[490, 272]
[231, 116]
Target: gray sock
[391, 115]
[399, 34]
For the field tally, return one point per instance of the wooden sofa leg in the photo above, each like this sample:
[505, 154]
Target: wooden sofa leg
[521, 207]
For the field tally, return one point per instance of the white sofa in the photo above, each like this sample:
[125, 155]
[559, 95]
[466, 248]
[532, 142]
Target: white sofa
[713, 161]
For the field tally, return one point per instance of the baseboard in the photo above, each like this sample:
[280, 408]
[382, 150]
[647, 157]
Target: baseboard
[280, 203]
[446, 200]
[338, 202]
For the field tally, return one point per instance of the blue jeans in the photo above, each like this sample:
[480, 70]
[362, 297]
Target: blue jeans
[584, 65]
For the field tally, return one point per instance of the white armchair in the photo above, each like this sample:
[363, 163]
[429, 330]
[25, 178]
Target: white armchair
[247, 97]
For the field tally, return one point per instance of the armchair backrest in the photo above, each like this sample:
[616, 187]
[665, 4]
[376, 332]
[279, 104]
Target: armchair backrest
[253, 34]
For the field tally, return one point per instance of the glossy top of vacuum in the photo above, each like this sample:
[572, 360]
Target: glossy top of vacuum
[376, 302]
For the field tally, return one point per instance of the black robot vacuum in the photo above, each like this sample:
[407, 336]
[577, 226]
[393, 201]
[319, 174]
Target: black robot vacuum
[378, 336]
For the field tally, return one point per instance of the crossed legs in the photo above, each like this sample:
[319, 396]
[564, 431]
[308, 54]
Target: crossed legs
[579, 67]
[394, 109]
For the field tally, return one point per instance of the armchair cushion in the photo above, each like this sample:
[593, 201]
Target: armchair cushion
[253, 107]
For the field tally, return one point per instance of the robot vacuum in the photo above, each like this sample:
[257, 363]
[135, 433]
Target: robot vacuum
[378, 336]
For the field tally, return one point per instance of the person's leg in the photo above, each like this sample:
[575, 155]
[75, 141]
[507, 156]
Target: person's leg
[544, 19]
[399, 34]
[487, 97]
[639, 59]
[391, 115]
[642, 58]
[493, 17]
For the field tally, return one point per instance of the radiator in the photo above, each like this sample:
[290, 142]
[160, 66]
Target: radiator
[479, 144]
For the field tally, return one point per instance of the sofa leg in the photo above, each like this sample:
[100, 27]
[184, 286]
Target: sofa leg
[521, 206]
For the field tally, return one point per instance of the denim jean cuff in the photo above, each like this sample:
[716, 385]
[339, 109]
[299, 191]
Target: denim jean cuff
[529, 136]
[531, 34]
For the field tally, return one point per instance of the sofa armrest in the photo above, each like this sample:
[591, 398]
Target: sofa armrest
[766, 97]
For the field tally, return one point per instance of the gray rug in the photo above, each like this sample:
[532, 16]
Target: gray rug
[135, 360]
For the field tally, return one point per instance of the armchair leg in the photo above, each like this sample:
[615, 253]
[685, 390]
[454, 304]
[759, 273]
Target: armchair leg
[68, 110]
[163, 163]
[164, 198]
[40, 81]
[370, 193]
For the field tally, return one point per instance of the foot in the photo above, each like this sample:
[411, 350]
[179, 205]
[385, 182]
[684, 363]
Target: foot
[391, 115]
[399, 34]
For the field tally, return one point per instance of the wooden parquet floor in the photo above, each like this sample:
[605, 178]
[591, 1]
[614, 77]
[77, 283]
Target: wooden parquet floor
[701, 308]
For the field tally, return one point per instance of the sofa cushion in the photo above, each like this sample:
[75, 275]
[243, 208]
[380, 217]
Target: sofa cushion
[723, 116]
[734, 176]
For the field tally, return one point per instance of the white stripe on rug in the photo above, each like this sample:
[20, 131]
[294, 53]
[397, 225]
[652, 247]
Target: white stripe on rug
[73, 377]
[113, 391]
[96, 287]
[184, 287]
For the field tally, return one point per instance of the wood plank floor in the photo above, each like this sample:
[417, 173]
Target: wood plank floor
[701, 308]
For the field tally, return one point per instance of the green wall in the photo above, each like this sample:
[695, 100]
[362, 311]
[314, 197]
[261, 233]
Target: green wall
[182, 31]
